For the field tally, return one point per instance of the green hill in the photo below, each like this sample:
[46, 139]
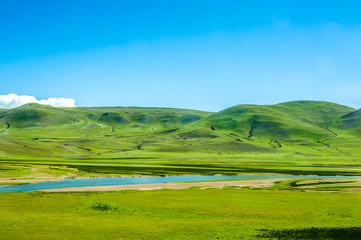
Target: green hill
[101, 130]
[286, 121]
[156, 140]
[35, 115]
[120, 116]
[236, 129]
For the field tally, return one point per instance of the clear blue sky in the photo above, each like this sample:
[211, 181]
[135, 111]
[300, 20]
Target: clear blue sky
[205, 55]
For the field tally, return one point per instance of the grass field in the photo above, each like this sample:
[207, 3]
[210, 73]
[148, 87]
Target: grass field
[182, 214]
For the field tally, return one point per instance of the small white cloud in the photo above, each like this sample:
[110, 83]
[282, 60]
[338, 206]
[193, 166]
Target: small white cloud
[58, 102]
[13, 100]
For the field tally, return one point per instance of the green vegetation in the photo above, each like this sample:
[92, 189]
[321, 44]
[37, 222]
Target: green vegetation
[301, 137]
[43, 143]
[318, 185]
[181, 214]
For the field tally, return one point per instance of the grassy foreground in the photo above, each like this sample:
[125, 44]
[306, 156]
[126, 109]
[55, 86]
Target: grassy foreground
[181, 214]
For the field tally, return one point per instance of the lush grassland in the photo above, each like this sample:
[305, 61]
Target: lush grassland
[303, 137]
[181, 214]
[42, 143]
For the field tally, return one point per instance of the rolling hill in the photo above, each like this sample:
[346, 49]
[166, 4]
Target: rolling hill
[115, 137]
[36, 115]
[235, 129]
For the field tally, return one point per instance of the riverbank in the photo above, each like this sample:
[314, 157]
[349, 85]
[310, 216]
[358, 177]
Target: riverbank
[141, 183]
[261, 183]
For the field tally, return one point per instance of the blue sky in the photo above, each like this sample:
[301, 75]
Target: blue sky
[205, 55]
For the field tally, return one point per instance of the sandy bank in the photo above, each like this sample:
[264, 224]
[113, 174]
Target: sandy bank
[218, 184]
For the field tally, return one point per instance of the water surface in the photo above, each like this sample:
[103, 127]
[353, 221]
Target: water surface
[92, 182]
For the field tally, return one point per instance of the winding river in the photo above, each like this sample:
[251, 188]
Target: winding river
[91, 182]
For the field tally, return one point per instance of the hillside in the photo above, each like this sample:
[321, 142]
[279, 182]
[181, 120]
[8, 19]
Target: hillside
[113, 139]
[350, 122]
[303, 122]
[36, 115]
[236, 129]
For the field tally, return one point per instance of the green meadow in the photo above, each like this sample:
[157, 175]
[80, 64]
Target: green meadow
[182, 214]
[43, 143]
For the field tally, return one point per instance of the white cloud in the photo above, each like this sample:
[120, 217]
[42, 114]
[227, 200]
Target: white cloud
[58, 102]
[13, 100]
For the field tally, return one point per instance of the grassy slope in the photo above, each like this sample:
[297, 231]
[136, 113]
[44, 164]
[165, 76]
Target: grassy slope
[349, 122]
[347, 130]
[35, 129]
[298, 120]
[292, 137]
